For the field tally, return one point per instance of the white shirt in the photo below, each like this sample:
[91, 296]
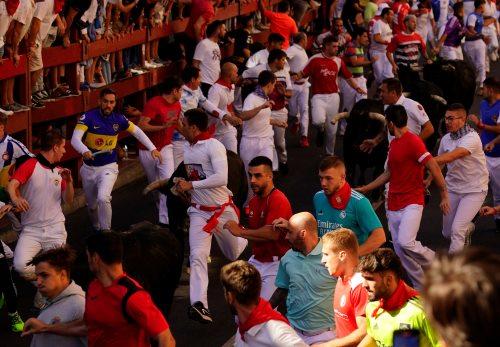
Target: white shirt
[468, 174]
[297, 59]
[90, 15]
[272, 333]
[44, 11]
[206, 166]
[261, 57]
[416, 115]
[24, 12]
[208, 53]
[385, 31]
[221, 96]
[258, 126]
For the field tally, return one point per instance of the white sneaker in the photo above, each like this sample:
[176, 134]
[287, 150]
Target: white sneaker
[137, 71]
[6, 112]
[149, 65]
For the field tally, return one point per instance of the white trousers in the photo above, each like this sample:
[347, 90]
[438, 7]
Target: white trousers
[476, 53]
[33, 240]
[98, 182]
[323, 108]
[268, 273]
[404, 225]
[178, 151]
[451, 53]
[200, 243]
[349, 95]
[493, 165]
[463, 208]
[279, 134]
[229, 140]
[315, 339]
[382, 68]
[158, 171]
[299, 106]
[251, 147]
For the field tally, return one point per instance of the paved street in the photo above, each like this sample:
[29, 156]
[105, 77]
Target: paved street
[130, 207]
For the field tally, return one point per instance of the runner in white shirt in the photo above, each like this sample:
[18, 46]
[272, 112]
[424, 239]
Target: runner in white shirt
[205, 160]
[274, 41]
[258, 324]
[381, 36]
[282, 91]
[257, 134]
[299, 102]
[36, 190]
[221, 94]
[461, 151]
[207, 55]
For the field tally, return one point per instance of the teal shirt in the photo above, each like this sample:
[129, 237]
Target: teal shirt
[310, 288]
[358, 216]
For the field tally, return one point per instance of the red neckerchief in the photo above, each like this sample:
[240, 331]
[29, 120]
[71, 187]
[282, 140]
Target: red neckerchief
[11, 6]
[58, 6]
[340, 198]
[204, 135]
[401, 295]
[224, 83]
[262, 313]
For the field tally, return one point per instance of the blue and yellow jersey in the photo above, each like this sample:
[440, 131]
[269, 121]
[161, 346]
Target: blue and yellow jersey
[10, 150]
[101, 134]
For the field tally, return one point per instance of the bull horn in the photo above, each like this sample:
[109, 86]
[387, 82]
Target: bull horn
[406, 94]
[439, 98]
[339, 116]
[378, 116]
[154, 185]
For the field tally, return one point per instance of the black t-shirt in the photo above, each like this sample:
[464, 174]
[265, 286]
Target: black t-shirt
[242, 40]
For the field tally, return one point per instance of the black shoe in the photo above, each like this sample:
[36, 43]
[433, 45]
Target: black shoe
[199, 313]
[283, 168]
[320, 138]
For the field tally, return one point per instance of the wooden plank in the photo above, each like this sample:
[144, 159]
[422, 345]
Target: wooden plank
[19, 121]
[8, 70]
[58, 55]
[226, 13]
[61, 108]
[159, 32]
[261, 37]
[103, 46]
[179, 25]
[159, 75]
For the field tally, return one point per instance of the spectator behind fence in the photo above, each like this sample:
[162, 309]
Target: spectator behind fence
[281, 22]
[462, 297]
[118, 311]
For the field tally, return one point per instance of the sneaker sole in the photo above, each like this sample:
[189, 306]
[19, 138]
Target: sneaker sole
[196, 315]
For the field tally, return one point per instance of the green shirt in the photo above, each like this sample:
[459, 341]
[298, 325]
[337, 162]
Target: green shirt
[370, 10]
[410, 316]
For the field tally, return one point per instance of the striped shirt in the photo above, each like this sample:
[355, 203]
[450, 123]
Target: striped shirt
[406, 48]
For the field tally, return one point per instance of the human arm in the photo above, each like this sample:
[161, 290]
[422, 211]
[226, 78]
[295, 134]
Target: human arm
[427, 129]
[378, 39]
[197, 28]
[249, 114]
[438, 177]
[126, 8]
[354, 86]
[165, 339]
[481, 126]
[77, 143]
[367, 341]
[368, 145]
[375, 240]
[353, 339]
[136, 132]
[36, 326]
[448, 157]
[489, 211]
[19, 202]
[69, 190]
[379, 181]
[145, 124]
[278, 297]
[489, 146]
[264, 233]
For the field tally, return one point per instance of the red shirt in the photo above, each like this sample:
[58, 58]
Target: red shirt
[200, 8]
[406, 159]
[282, 24]
[263, 211]
[323, 72]
[11, 6]
[400, 12]
[407, 48]
[107, 327]
[349, 301]
[160, 111]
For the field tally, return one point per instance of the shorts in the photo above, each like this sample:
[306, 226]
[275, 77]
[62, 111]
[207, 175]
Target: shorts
[36, 62]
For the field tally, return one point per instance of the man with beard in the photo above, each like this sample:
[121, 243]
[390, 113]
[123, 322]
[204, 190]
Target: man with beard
[405, 201]
[304, 282]
[393, 304]
[99, 170]
[118, 311]
[267, 205]
[339, 206]
[258, 324]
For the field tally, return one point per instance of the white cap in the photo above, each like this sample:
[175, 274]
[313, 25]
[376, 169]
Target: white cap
[380, 8]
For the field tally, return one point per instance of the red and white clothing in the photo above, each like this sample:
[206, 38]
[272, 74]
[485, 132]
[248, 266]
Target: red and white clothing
[382, 68]
[400, 12]
[221, 95]
[208, 54]
[349, 301]
[159, 111]
[417, 116]
[406, 159]
[266, 254]
[299, 102]
[43, 224]
[211, 207]
[260, 57]
[406, 48]
[323, 72]
[257, 135]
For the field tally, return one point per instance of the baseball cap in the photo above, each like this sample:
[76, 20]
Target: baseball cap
[380, 8]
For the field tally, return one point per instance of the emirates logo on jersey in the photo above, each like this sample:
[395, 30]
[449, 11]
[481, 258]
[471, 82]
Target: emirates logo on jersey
[99, 142]
[5, 156]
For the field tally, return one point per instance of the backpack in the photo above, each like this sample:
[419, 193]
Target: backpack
[132, 288]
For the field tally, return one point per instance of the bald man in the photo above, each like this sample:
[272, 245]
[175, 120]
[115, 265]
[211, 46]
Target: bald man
[304, 281]
[221, 94]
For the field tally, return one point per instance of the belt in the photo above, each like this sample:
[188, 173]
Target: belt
[312, 333]
[218, 211]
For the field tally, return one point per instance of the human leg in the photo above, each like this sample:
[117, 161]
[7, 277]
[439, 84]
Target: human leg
[106, 178]
[89, 185]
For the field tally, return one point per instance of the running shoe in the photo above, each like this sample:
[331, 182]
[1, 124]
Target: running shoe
[6, 112]
[16, 322]
[199, 313]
